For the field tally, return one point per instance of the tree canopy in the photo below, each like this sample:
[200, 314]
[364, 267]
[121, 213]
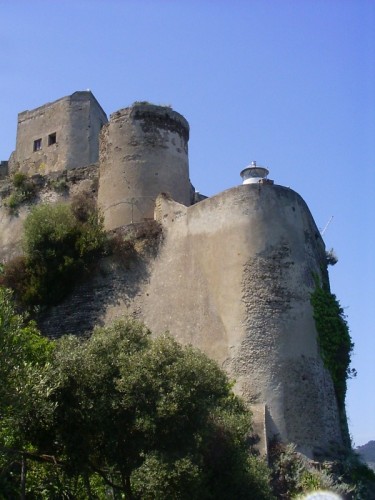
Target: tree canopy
[123, 414]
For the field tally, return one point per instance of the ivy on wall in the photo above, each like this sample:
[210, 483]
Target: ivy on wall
[333, 338]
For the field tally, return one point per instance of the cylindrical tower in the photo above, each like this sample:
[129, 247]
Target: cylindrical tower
[143, 152]
[234, 278]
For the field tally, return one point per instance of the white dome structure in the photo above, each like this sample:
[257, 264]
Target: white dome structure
[253, 173]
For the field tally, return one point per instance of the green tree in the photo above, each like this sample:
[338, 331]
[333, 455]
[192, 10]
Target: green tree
[21, 347]
[152, 418]
[23, 352]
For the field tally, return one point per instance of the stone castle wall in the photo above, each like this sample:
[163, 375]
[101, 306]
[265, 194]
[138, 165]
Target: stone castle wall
[233, 276]
[143, 152]
[61, 135]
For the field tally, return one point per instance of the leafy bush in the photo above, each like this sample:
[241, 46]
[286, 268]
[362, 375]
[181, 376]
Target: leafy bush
[333, 338]
[294, 474]
[60, 244]
[23, 350]
[331, 257]
[19, 180]
[14, 200]
[24, 190]
[59, 185]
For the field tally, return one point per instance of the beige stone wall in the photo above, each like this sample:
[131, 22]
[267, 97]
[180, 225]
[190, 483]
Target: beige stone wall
[234, 279]
[143, 152]
[76, 120]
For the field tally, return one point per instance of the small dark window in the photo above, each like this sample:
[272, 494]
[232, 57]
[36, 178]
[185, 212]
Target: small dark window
[52, 139]
[37, 145]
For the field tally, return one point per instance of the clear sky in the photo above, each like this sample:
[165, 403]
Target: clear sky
[289, 83]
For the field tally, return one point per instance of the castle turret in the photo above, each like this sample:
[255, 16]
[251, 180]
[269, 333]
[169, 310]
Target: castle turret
[235, 277]
[143, 152]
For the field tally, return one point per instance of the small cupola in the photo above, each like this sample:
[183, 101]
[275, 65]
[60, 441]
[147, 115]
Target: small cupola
[253, 173]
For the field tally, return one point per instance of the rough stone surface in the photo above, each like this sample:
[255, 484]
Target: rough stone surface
[143, 152]
[233, 277]
[75, 120]
[54, 187]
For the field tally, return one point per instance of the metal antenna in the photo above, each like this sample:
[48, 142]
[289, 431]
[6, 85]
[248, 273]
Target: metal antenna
[326, 226]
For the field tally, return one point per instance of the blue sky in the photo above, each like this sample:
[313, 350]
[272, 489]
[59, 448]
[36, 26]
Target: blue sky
[290, 84]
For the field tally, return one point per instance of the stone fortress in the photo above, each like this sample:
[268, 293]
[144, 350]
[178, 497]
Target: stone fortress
[233, 275]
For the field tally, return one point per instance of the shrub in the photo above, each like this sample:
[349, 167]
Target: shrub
[147, 415]
[331, 257]
[294, 474]
[333, 338]
[13, 201]
[83, 206]
[59, 185]
[14, 275]
[24, 190]
[59, 248]
[19, 180]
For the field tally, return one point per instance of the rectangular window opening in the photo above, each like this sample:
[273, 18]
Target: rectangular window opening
[37, 145]
[52, 139]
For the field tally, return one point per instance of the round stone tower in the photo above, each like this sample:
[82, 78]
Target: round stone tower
[143, 152]
[234, 278]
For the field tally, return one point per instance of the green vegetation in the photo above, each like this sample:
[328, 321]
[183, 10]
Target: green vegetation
[294, 475]
[333, 337]
[59, 185]
[61, 242]
[148, 103]
[24, 352]
[122, 414]
[23, 190]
